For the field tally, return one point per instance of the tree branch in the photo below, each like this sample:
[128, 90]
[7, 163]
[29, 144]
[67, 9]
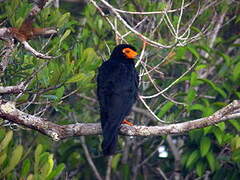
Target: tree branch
[57, 132]
[12, 89]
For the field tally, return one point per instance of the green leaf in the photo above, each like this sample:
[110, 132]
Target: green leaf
[60, 92]
[76, 78]
[200, 66]
[204, 146]
[236, 156]
[115, 161]
[235, 123]
[25, 168]
[236, 72]
[65, 35]
[3, 157]
[63, 19]
[57, 171]
[200, 168]
[6, 140]
[221, 126]
[30, 177]
[194, 156]
[218, 134]
[214, 86]
[193, 51]
[197, 107]
[180, 52]
[235, 143]
[37, 154]
[47, 167]
[193, 80]
[207, 130]
[211, 161]
[14, 160]
[89, 55]
[190, 96]
[165, 109]
[126, 171]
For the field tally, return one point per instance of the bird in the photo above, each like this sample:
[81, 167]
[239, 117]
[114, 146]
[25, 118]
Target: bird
[117, 91]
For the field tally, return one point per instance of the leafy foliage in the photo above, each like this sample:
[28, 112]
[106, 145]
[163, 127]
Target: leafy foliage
[12, 158]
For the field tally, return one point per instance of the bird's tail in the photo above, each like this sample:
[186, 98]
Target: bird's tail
[110, 137]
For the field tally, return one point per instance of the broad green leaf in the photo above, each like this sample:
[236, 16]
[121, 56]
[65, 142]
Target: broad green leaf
[25, 168]
[115, 161]
[180, 52]
[165, 109]
[200, 168]
[197, 107]
[37, 154]
[211, 161]
[235, 123]
[63, 19]
[76, 78]
[218, 134]
[207, 130]
[47, 167]
[6, 140]
[194, 156]
[60, 92]
[89, 55]
[191, 96]
[205, 145]
[221, 126]
[43, 158]
[3, 157]
[235, 143]
[56, 172]
[14, 160]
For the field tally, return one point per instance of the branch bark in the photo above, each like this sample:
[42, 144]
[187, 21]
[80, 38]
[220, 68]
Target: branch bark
[57, 132]
[12, 89]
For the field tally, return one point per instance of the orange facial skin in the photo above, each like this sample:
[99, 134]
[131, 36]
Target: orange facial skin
[129, 53]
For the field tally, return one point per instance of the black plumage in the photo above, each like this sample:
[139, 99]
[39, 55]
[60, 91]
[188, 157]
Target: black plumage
[117, 89]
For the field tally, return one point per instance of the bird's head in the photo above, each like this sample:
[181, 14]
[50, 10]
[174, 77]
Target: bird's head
[125, 51]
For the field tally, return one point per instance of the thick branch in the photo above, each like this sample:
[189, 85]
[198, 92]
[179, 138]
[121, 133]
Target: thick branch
[12, 89]
[9, 112]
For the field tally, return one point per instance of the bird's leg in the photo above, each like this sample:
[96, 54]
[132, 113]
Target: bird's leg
[127, 122]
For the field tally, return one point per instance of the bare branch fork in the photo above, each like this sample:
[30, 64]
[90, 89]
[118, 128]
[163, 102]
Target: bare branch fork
[57, 132]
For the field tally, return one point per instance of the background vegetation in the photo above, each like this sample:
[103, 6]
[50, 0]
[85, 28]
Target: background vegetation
[63, 91]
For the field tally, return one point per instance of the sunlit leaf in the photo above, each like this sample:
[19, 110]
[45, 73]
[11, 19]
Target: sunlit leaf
[6, 140]
[14, 160]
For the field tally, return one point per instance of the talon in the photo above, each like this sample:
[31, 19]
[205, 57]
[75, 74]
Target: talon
[127, 122]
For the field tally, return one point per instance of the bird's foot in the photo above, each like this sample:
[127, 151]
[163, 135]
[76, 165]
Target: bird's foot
[127, 122]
